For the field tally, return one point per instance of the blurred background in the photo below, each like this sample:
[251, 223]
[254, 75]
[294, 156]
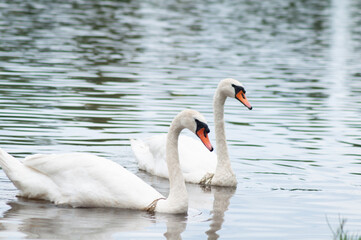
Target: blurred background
[86, 75]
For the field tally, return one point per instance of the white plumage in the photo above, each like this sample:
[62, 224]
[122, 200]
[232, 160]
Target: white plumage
[196, 161]
[86, 180]
[198, 164]
[78, 180]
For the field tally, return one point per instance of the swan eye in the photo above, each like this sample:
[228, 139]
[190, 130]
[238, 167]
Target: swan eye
[237, 89]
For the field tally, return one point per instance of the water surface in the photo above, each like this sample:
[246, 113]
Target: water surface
[88, 75]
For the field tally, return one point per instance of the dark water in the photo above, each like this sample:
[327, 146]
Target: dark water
[88, 75]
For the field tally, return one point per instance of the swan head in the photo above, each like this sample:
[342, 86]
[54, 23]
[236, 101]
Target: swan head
[234, 89]
[197, 124]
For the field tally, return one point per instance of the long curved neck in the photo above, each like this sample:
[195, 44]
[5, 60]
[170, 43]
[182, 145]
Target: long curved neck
[221, 144]
[178, 198]
[223, 169]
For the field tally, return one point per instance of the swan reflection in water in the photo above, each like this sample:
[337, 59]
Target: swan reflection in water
[41, 219]
[222, 197]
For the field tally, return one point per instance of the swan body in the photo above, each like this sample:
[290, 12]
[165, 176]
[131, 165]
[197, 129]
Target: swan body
[86, 180]
[150, 153]
[198, 165]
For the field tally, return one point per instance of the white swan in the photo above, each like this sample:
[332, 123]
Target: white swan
[85, 180]
[198, 165]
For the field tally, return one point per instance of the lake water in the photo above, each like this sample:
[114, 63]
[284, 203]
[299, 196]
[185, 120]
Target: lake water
[86, 76]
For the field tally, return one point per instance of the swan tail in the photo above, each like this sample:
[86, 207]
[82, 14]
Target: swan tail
[141, 152]
[7, 161]
[9, 164]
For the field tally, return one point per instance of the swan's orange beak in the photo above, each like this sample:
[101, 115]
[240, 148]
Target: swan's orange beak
[242, 98]
[202, 134]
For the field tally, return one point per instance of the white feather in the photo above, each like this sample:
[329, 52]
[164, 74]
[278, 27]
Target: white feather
[86, 180]
[196, 162]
